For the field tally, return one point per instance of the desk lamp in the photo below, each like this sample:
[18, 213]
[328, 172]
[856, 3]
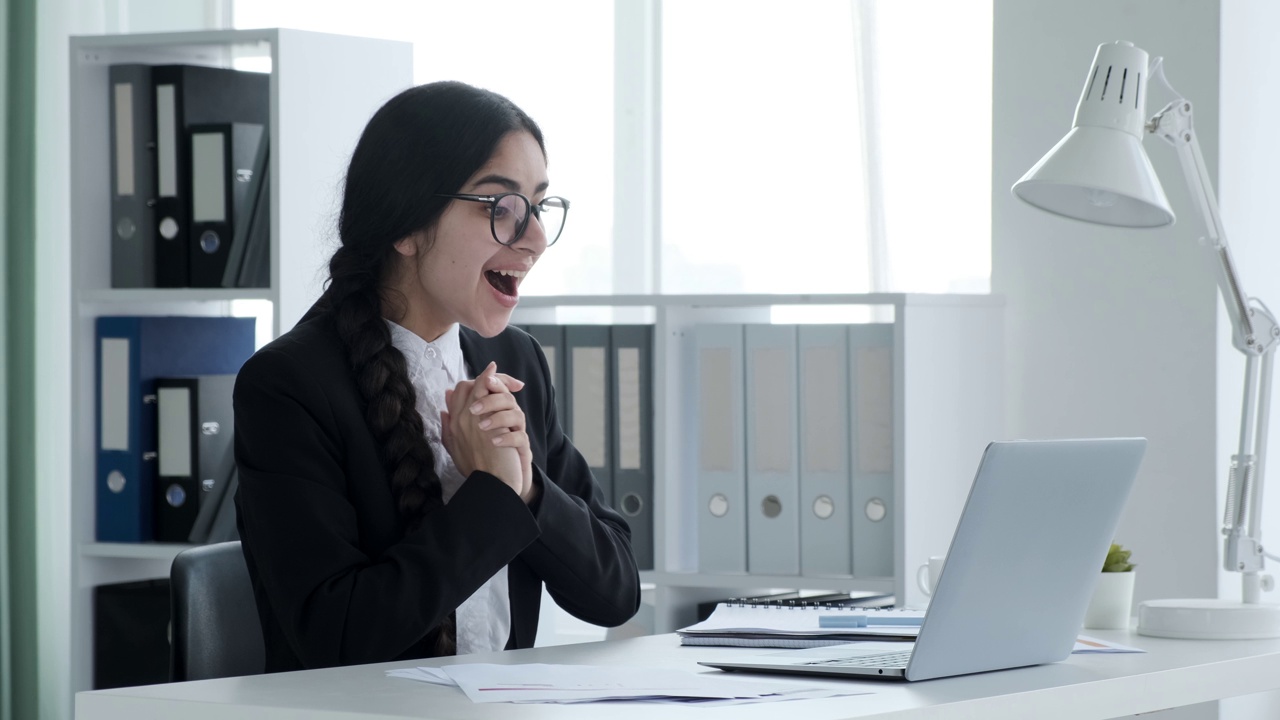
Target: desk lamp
[1099, 173]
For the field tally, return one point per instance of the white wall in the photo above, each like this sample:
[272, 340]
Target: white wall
[1113, 332]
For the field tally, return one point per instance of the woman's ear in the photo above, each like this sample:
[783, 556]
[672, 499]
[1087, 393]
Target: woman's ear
[407, 246]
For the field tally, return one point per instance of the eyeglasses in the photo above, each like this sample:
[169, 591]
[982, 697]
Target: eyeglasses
[509, 215]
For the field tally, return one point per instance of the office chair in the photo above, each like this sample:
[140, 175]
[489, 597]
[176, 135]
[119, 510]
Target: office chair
[216, 632]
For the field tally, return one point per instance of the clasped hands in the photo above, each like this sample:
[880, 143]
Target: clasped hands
[484, 429]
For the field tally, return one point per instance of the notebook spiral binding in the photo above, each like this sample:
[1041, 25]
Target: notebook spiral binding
[839, 602]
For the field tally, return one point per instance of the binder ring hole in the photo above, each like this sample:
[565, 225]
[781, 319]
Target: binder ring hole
[210, 242]
[718, 505]
[175, 495]
[632, 504]
[115, 481]
[876, 510]
[771, 506]
[824, 507]
[125, 228]
[168, 228]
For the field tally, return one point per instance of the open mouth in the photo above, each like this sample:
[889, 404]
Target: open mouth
[504, 281]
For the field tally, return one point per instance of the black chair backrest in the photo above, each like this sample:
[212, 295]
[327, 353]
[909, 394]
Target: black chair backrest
[216, 632]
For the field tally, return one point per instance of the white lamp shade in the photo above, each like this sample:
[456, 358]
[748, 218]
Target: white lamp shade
[1099, 172]
[1099, 175]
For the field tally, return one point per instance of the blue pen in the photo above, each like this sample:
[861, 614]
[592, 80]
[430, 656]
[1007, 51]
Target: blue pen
[861, 621]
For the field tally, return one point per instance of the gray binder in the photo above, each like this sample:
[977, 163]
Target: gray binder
[715, 445]
[825, 502]
[773, 471]
[132, 127]
[590, 417]
[631, 397]
[871, 443]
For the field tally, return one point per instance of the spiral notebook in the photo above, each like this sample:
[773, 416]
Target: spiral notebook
[800, 626]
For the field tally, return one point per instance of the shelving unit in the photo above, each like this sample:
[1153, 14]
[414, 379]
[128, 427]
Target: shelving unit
[948, 403]
[323, 89]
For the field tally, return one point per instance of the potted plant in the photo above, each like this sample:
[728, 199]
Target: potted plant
[1112, 600]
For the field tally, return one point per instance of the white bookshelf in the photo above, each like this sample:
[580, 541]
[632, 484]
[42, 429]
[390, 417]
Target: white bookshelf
[948, 403]
[323, 89]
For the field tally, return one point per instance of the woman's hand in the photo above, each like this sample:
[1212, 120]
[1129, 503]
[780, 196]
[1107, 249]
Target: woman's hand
[484, 429]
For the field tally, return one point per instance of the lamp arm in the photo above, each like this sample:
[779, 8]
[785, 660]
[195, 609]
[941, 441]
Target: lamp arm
[1254, 333]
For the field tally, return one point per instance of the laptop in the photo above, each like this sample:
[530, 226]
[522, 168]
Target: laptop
[1023, 562]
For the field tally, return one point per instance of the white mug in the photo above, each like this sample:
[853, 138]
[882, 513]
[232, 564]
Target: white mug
[927, 574]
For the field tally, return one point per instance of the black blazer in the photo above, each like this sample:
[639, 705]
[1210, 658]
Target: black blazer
[336, 578]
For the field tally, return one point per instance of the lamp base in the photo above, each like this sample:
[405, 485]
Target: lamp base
[1208, 619]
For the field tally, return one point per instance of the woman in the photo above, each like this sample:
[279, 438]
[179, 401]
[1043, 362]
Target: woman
[405, 488]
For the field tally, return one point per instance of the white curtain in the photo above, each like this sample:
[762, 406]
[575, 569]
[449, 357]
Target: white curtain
[925, 96]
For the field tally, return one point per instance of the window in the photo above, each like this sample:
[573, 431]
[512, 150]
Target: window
[931, 61]
[761, 183]
[818, 146]
[829, 146]
[542, 56]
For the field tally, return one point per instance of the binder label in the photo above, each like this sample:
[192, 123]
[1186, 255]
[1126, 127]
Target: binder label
[875, 409]
[166, 141]
[823, 446]
[772, 417]
[208, 179]
[124, 139]
[589, 398]
[715, 401]
[173, 405]
[114, 383]
[629, 408]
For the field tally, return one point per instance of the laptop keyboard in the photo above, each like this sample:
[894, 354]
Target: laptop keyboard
[880, 660]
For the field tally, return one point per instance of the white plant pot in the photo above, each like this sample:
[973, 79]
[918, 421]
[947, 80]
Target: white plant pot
[1112, 602]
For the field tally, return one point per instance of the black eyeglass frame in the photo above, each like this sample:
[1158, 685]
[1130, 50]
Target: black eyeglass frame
[535, 210]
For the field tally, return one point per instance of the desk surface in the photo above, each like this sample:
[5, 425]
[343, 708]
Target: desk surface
[1172, 673]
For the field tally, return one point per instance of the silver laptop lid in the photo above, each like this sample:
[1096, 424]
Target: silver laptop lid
[1026, 555]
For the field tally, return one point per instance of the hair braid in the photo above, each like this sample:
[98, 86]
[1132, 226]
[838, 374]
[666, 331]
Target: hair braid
[391, 413]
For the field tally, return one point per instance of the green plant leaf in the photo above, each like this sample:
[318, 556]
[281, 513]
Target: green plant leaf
[1117, 560]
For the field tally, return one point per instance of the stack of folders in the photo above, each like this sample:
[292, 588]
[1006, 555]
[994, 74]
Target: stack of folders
[165, 463]
[602, 376]
[800, 626]
[790, 432]
[190, 203]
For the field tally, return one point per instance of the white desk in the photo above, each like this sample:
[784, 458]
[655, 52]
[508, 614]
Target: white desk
[1173, 673]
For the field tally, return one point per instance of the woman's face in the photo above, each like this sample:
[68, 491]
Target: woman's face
[455, 271]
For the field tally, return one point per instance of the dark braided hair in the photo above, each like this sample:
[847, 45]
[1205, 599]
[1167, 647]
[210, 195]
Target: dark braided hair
[429, 139]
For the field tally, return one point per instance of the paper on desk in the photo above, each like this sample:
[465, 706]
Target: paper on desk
[543, 683]
[1086, 645]
[432, 675]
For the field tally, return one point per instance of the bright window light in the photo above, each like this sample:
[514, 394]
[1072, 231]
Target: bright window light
[542, 57]
[820, 146]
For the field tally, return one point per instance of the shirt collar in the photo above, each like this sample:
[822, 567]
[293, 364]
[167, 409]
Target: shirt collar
[443, 353]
